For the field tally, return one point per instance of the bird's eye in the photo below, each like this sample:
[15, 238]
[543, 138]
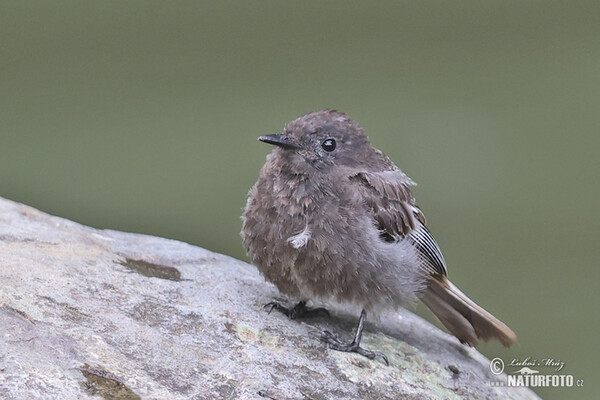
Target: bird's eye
[328, 145]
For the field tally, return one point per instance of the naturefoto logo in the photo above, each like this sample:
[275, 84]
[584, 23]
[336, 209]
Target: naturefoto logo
[527, 373]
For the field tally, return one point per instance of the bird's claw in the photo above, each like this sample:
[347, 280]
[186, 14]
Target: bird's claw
[336, 344]
[298, 311]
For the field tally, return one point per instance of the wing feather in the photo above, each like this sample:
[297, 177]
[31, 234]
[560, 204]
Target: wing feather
[394, 209]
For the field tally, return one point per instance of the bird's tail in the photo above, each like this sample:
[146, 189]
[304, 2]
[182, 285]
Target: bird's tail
[462, 317]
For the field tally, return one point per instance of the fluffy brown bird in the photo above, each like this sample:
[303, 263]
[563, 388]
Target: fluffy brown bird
[333, 219]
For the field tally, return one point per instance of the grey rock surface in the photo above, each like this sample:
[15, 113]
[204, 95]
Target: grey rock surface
[88, 313]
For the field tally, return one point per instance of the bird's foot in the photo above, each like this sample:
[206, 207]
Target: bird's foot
[354, 347]
[337, 344]
[298, 311]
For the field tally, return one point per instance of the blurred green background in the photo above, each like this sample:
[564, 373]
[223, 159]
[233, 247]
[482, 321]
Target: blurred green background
[143, 116]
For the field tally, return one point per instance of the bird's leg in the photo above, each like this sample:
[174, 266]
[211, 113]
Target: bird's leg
[298, 311]
[354, 347]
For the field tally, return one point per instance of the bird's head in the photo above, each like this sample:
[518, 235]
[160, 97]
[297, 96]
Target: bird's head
[322, 139]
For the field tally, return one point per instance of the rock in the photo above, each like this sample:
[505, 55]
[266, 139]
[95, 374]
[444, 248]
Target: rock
[87, 313]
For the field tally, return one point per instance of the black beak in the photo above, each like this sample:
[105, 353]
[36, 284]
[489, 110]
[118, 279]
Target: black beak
[279, 139]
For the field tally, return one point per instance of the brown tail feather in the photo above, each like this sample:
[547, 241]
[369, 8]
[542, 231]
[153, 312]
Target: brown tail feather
[462, 317]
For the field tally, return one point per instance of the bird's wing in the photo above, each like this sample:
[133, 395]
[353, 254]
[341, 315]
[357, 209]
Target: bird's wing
[395, 211]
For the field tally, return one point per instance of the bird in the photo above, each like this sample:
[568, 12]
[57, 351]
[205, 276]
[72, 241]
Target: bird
[333, 219]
